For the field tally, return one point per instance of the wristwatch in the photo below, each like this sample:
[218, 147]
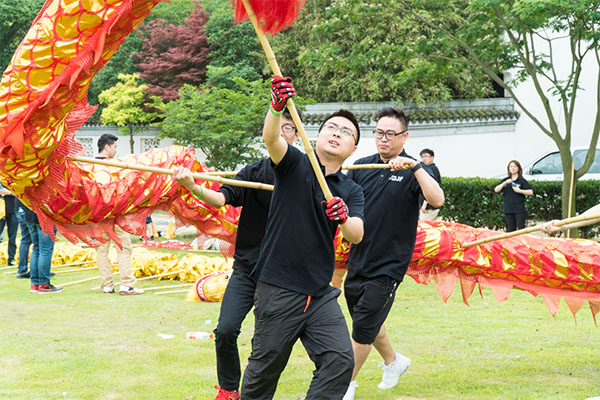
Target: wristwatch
[416, 167]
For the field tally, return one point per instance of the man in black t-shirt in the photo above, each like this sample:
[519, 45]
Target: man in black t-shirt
[239, 294]
[293, 298]
[429, 212]
[12, 226]
[377, 265]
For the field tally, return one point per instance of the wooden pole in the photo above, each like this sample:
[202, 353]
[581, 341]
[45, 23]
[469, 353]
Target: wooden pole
[72, 264]
[146, 277]
[166, 171]
[345, 167]
[87, 279]
[9, 267]
[172, 291]
[262, 38]
[367, 166]
[571, 184]
[75, 270]
[562, 222]
[168, 286]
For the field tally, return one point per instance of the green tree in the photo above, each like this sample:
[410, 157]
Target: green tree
[16, 17]
[124, 106]
[233, 45]
[173, 12]
[521, 37]
[356, 50]
[224, 122]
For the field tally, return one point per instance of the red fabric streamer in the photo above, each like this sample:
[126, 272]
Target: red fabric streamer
[272, 15]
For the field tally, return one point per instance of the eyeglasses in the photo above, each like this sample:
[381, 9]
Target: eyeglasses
[289, 128]
[331, 128]
[389, 135]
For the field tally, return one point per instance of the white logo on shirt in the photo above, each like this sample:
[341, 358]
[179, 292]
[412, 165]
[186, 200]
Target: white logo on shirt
[395, 178]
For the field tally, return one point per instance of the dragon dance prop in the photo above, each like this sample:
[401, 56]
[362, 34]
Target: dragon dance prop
[554, 268]
[43, 102]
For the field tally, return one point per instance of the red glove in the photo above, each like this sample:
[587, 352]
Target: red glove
[281, 90]
[337, 210]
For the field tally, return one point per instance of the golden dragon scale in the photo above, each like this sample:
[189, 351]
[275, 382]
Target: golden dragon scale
[43, 102]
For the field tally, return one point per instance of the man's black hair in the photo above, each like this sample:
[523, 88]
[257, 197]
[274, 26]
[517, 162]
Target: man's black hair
[106, 139]
[393, 112]
[286, 114]
[427, 151]
[345, 114]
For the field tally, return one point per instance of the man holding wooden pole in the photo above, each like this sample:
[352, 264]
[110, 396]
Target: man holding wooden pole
[378, 264]
[293, 299]
[239, 295]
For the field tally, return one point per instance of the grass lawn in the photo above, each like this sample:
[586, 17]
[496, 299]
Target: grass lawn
[81, 344]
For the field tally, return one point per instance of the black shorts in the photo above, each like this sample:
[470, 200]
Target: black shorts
[369, 301]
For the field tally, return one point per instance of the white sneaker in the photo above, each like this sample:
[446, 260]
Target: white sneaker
[108, 289]
[129, 290]
[350, 392]
[392, 372]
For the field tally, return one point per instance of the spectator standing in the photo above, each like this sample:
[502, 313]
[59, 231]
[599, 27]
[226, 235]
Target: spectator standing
[514, 188]
[429, 212]
[12, 225]
[107, 149]
[25, 244]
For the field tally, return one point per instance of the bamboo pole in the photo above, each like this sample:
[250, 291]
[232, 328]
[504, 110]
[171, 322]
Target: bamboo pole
[166, 171]
[290, 102]
[345, 167]
[75, 270]
[571, 184]
[73, 264]
[172, 291]
[168, 286]
[87, 279]
[367, 166]
[146, 277]
[562, 222]
[9, 267]
[222, 173]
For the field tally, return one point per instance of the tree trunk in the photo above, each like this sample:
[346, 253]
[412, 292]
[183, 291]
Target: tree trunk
[131, 142]
[568, 195]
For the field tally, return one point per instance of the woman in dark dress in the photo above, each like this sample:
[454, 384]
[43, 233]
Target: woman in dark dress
[514, 188]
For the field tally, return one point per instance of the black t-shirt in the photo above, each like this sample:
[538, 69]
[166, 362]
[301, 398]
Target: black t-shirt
[435, 173]
[391, 217]
[253, 218]
[297, 253]
[514, 202]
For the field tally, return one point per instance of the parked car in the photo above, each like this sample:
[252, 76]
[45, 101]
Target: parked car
[548, 167]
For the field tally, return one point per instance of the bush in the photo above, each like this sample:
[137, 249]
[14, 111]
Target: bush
[472, 201]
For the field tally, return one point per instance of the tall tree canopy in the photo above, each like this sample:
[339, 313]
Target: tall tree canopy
[521, 36]
[125, 106]
[174, 55]
[224, 122]
[16, 17]
[356, 50]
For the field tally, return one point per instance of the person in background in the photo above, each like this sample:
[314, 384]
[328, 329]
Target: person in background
[378, 264]
[25, 244]
[429, 212]
[12, 226]
[107, 149]
[239, 294]
[41, 255]
[514, 189]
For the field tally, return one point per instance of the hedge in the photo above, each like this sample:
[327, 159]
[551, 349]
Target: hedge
[472, 201]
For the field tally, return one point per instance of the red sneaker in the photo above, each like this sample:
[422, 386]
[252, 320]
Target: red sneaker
[227, 395]
[48, 288]
[34, 288]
